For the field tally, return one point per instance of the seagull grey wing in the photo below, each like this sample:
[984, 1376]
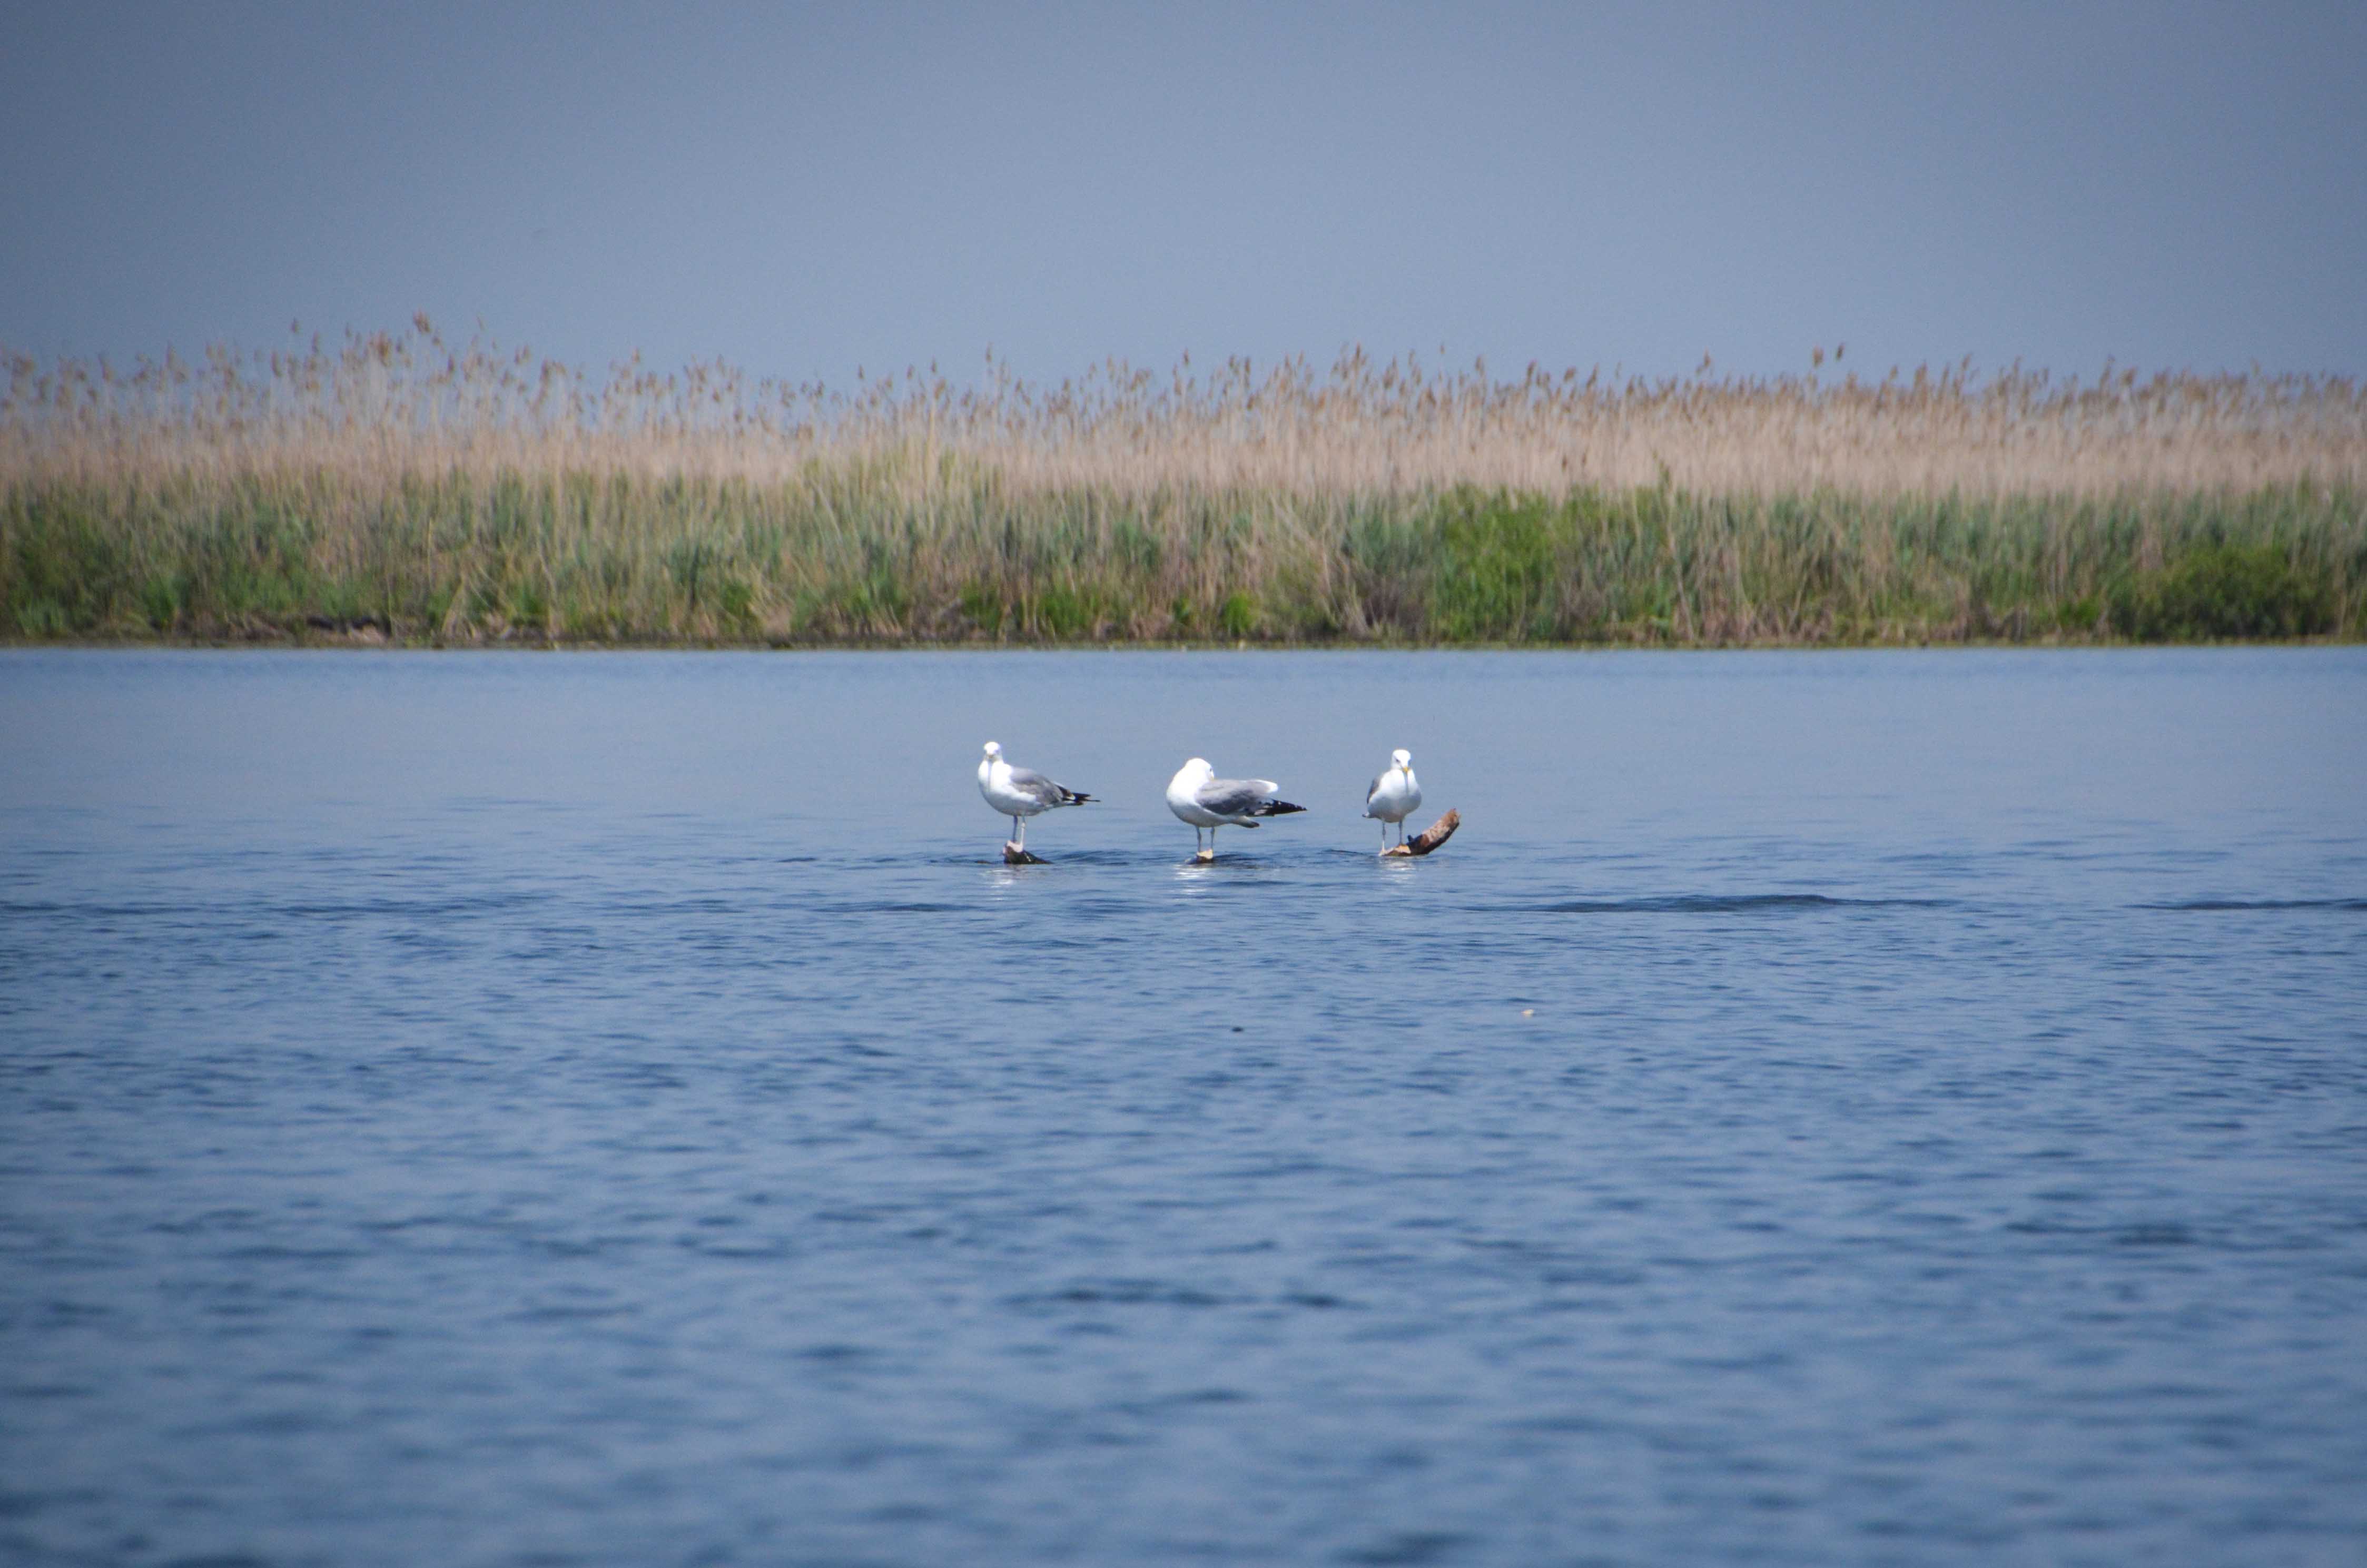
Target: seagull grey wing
[1037, 788]
[1231, 797]
[1373, 788]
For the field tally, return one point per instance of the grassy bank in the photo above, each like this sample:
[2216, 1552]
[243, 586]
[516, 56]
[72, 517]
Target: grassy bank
[394, 488]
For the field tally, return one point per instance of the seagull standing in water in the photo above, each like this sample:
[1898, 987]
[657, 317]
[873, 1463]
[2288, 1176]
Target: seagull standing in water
[1200, 798]
[1020, 792]
[1394, 795]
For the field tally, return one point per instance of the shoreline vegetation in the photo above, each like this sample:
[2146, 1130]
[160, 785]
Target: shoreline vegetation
[395, 488]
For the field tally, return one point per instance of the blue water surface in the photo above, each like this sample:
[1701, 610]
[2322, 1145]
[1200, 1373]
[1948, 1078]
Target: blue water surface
[619, 1108]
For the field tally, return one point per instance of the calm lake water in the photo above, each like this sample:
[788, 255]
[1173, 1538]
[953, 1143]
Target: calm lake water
[617, 1109]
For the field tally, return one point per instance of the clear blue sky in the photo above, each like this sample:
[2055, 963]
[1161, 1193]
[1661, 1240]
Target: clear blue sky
[801, 191]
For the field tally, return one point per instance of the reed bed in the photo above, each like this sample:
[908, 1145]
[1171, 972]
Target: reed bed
[392, 486]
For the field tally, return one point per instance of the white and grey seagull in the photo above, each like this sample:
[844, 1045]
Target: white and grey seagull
[1394, 795]
[1200, 798]
[1021, 793]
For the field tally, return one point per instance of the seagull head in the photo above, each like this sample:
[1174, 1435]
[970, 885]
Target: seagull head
[994, 748]
[1198, 768]
[1400, 759]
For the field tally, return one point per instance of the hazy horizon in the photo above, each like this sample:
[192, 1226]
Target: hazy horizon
[800, 193]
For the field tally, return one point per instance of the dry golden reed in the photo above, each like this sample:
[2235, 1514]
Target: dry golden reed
[385, 406]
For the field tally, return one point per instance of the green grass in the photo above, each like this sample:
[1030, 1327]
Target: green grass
[851, 555]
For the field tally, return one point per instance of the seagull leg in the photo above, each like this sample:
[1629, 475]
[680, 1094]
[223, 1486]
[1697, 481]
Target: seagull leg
[1019, 831]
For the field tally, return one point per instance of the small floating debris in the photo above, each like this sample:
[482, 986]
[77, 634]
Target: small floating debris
[1429, 838]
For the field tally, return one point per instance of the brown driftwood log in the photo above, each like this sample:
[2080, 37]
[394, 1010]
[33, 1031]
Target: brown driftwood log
[1429, 838]
[1014, 856]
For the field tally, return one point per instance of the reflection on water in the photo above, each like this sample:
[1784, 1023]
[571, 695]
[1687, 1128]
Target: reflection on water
[620, 1109]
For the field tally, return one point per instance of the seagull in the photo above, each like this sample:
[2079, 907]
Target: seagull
[1394, 795]
[1200, 798]
[1020, 792]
